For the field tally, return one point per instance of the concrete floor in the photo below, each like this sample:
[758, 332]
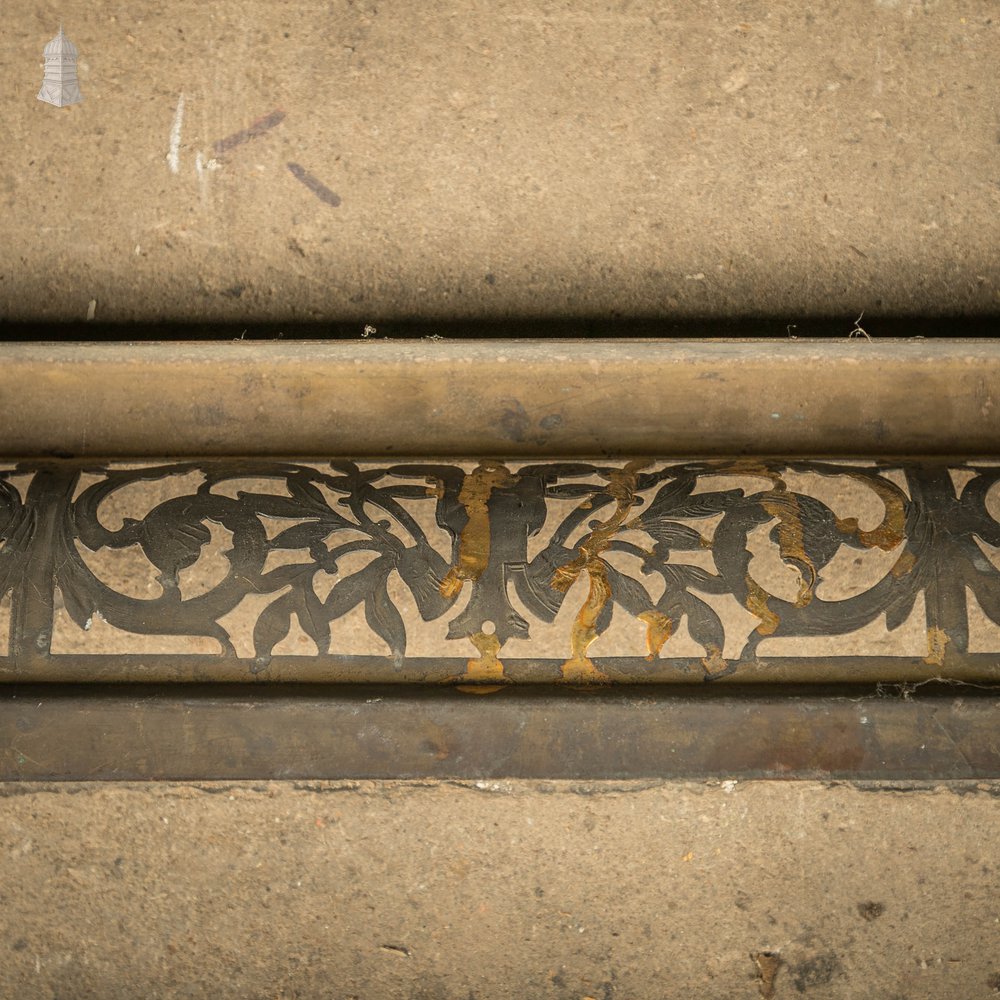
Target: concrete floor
[544, 159]
[498, 890]
[539, 159]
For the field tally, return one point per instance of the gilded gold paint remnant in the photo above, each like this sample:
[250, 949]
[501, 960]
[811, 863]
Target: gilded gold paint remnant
[757, 605]
[579, 667]
[937, 640]
[488, 667]
[474, 543]
[890, 532]
[784, 506]
[904, 564]
[621, 487]
[659, 628]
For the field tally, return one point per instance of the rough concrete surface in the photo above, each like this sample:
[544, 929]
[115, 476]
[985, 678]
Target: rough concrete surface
[496, 889]
[556, 158]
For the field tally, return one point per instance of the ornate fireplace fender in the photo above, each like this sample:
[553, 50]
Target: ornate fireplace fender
[643, 520]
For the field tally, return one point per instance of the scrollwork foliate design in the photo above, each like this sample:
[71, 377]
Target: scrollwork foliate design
[495, 571]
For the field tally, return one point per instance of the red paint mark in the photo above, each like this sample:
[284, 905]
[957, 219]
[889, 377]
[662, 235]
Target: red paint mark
[316, 186]
[258, 128]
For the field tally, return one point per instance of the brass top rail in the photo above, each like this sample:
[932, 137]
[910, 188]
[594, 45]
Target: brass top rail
[516, 397]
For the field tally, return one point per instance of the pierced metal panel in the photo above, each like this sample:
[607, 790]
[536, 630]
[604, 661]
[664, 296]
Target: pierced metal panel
[490, 572]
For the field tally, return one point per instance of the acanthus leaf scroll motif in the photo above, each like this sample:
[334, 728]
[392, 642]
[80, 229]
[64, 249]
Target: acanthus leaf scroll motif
[489, 555]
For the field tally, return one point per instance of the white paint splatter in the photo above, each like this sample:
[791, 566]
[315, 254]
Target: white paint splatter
[201, 166]
[173, 156]
[199, 169]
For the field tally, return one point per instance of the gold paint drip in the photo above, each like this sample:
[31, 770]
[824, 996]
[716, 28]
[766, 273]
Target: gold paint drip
[474, 544]
[579, 667]
[621, 485]
[488, 667]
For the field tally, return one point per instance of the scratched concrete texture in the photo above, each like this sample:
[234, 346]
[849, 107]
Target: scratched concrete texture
[499, 890]
[360, 161]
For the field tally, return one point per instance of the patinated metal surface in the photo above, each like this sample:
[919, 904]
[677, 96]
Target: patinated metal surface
[98, 733]
[545, 398]
[512, 561]
[482, 573]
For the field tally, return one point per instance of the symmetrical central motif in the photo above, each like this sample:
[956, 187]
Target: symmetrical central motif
[493, 571]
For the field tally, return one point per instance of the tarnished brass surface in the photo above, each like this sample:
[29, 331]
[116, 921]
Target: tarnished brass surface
[314, 732]
[490, 572]
[555, 397]
[248, 554]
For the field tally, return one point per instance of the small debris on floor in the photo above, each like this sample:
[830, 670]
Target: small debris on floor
[859, 330]
[396, 949]
[871, 911]
[768, 963]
